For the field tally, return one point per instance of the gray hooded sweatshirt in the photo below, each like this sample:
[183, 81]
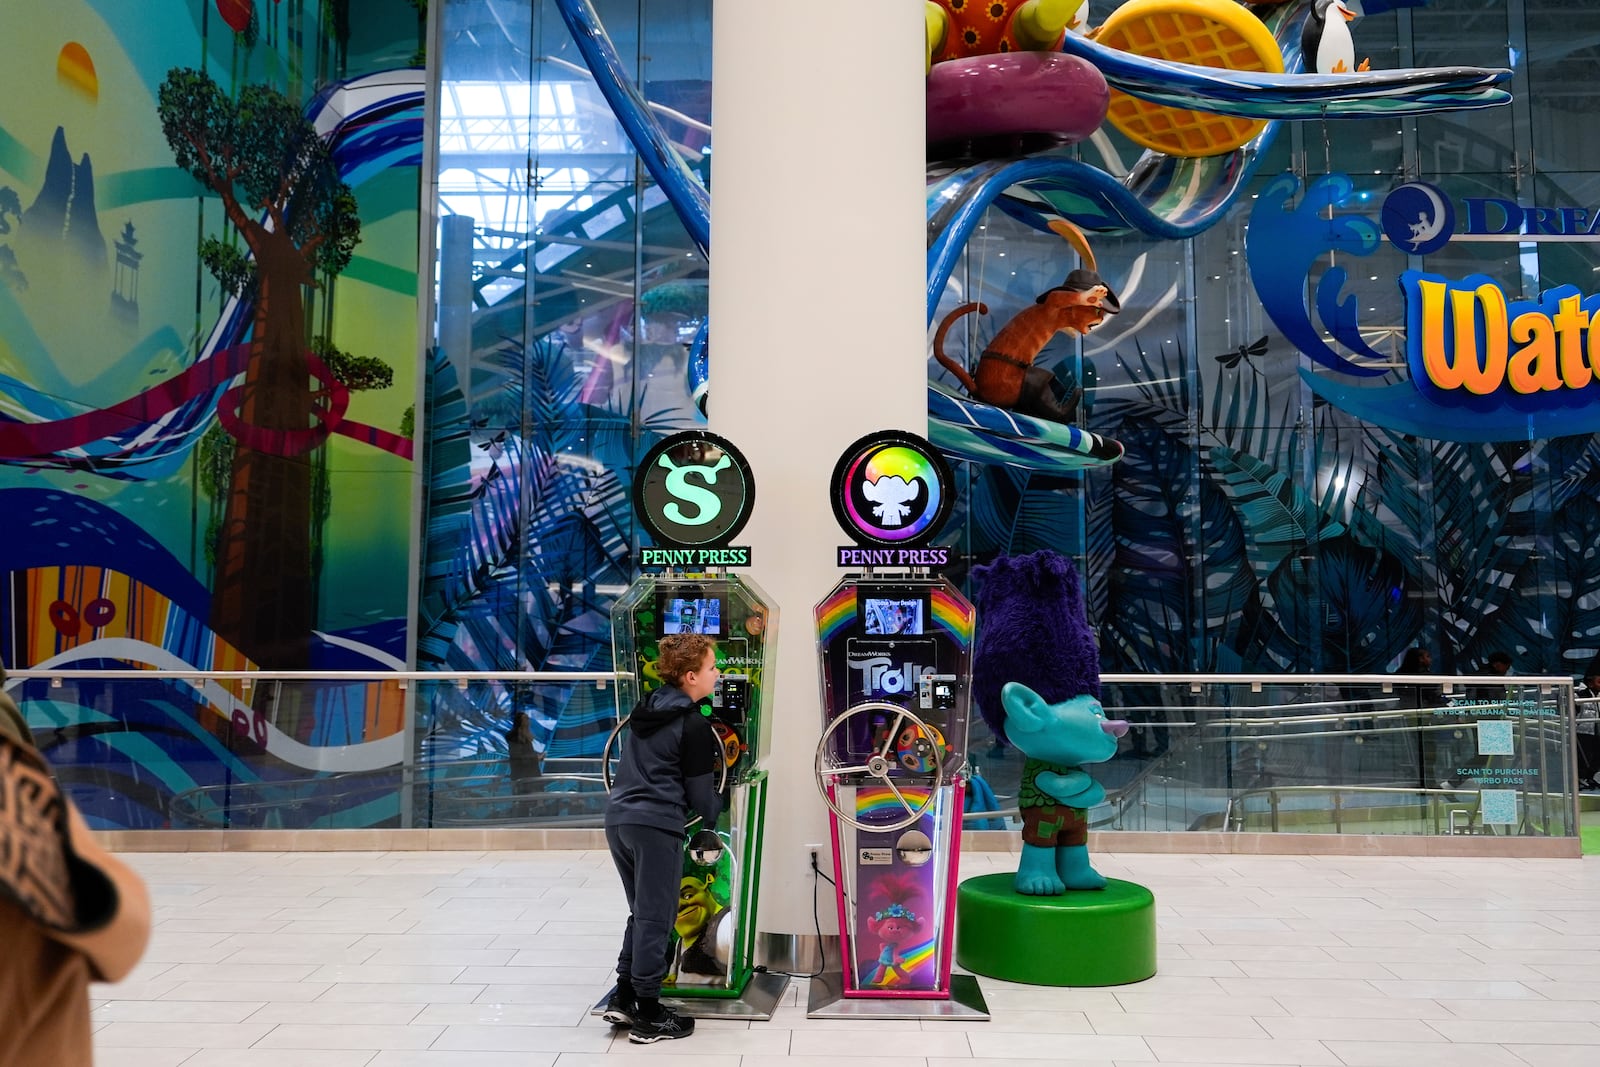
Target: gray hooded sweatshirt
[668, 766]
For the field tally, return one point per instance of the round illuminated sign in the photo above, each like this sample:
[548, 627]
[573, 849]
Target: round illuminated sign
[892, 488]
[693, 489]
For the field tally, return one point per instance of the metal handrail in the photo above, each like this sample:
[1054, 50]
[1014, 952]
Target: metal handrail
[1553, 680]
[601, 678]
[1272, 793]
[1247, 723]
[1446, 682]
[435, 775]
[1375, 716]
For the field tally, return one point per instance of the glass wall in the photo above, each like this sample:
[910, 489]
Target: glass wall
[1254, 524]
[567, 294]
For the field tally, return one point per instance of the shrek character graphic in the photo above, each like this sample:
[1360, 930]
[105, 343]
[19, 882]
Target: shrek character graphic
[705, 939]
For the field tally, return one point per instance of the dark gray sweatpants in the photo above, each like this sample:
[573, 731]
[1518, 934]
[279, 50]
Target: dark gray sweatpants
[650, 862]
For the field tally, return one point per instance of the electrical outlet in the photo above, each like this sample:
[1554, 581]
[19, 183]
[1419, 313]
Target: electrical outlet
[816, 852]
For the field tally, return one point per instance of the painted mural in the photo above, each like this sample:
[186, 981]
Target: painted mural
[207, 369]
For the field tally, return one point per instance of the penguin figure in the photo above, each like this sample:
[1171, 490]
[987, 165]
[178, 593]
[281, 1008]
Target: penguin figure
[1326, 40]
[1080, 22]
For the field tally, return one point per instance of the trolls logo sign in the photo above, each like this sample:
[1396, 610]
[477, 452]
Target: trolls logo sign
[1483, 367]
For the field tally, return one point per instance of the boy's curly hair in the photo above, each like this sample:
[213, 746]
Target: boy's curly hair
[680, 654]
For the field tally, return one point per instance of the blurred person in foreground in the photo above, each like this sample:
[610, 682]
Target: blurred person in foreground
[70, 913]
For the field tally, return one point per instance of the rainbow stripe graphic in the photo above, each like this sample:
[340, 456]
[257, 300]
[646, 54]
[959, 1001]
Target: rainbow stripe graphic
[952, 612]
[875, 799]
[836, 613]
[893, 461]
[919, 956]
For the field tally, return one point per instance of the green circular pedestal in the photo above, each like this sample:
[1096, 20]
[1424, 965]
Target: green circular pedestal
[1081, 938]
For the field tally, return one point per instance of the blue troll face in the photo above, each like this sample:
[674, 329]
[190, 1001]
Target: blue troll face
[1070, 733]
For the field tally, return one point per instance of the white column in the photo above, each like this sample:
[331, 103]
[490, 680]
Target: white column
[818, 266]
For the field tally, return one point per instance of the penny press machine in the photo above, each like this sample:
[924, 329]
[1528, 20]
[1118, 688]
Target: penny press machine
[894, 640]
[693, 493]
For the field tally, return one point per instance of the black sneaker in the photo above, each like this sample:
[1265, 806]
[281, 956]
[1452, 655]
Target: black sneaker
[620, 1009]
[667, 1026]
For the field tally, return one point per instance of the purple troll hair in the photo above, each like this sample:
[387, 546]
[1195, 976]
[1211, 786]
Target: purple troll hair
[1032, 629]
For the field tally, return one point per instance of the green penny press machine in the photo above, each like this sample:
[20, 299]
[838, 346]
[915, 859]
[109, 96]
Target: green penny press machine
[693, 494]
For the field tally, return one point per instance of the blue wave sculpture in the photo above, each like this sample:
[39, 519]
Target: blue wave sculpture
[1367, 94]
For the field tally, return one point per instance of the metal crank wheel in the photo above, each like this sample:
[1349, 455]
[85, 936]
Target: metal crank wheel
[879, 764]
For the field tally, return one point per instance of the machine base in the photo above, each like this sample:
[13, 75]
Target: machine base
[757, 1002]
[827, 1001]
[1081, 938]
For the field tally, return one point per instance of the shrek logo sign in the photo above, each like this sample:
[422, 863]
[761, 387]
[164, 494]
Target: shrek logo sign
[694, 494]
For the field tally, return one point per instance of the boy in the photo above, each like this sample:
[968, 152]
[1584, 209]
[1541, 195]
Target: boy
[668, 766]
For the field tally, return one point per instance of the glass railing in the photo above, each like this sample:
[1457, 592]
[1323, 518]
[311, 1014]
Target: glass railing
[253, 750]
[1325, 754]
[1322, 754]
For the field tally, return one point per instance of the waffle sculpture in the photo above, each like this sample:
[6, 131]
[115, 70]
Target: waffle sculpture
[1207, 33]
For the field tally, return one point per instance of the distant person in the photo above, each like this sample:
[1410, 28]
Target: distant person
[1416, 661]
[1432, 752]
[1589, 731]
[70, 913]
[526, 771]
[1498, 665]
[1419, 661]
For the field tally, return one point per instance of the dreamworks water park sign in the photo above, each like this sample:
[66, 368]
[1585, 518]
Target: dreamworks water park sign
[1483, 365]
[1465, 341]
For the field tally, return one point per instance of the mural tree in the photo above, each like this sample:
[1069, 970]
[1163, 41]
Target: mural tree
[281, 192]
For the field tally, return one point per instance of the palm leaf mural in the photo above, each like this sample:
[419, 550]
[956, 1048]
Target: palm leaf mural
[990, 507]
[1237, 424]
[1388, 512]
[524, 544]
[1099, 550]
[1149, 621]
[1238, 627]
[1366, 613]
[1048, 518]
[1550, 617]
[446, 583]
[1573, 463]
[1482, 541]
[1252, 526]
[1278, 517]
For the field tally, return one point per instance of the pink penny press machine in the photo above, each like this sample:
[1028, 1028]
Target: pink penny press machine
[894, 641]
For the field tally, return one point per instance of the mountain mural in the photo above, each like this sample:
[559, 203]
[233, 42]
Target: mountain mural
[65, 204]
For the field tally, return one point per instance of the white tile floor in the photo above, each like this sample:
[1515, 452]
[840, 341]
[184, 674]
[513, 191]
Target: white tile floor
[490, 959]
